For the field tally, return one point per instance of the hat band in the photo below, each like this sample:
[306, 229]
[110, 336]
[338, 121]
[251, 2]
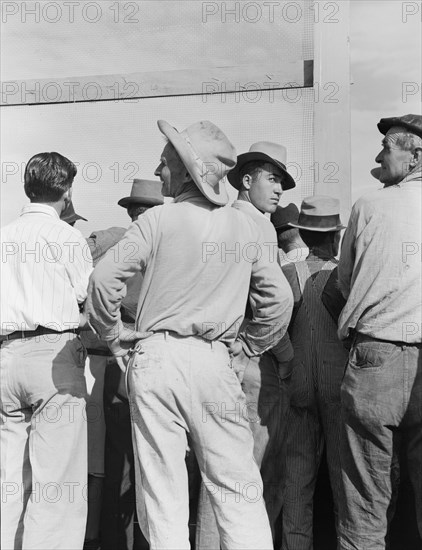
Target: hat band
[320, 222]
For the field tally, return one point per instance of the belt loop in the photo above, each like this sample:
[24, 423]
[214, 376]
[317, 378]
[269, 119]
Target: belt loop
[166, 333]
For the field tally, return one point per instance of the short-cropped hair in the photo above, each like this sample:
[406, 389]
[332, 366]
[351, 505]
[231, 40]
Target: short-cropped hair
[252, 168]
[48, 176]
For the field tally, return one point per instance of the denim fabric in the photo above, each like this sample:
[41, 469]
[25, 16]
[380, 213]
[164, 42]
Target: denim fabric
[179, 385]
[43, 440]
[381, 404]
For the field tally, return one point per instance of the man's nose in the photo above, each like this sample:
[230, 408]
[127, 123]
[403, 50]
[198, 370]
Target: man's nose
[279, 188]
[378, 158]
[157, 171]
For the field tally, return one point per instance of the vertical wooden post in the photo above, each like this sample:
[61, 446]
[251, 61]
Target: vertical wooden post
[332, 125]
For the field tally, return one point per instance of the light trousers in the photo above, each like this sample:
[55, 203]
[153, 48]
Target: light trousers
[186, 385]
[43, 440]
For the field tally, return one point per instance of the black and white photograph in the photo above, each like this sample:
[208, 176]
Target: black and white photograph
[211, 283]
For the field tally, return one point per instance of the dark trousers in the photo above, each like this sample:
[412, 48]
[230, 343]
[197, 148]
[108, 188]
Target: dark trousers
[118, 528]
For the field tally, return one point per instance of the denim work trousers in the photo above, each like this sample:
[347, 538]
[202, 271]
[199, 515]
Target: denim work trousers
[267, 402]
[381, 399]
[315, 408]
[43, 443]
[186, 385]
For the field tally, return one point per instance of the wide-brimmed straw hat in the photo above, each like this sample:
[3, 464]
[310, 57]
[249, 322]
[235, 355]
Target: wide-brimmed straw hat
[207, 155]
[285, 215]
[264, 151]
[319, 213]
[146, 192]
[70, 216]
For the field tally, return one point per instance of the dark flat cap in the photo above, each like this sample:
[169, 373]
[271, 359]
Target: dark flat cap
[412, 123]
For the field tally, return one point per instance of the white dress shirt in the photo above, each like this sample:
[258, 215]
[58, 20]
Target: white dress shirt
[45, 268]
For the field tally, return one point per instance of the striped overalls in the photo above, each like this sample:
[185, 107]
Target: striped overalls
[314, 416]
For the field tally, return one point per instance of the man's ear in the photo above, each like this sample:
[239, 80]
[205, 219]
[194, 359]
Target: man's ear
[247, 181]
[416, 158]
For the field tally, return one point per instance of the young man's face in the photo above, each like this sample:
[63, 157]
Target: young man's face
[265, 187]
[171, 171]
[394, 161]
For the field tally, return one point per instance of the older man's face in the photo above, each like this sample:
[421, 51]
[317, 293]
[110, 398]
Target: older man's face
[394, 160]
[171, 171]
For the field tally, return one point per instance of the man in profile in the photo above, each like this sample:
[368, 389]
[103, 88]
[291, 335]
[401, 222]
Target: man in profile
[380, 276]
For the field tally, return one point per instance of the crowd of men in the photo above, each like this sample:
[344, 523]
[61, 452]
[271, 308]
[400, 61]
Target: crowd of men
[222, 339]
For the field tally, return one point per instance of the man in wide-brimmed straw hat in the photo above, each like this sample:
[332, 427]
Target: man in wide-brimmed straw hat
[199, 266]
[380, 276]
[319, 358]
[260, 176]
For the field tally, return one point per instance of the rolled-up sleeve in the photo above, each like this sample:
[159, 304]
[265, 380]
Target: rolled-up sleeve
[272, 304]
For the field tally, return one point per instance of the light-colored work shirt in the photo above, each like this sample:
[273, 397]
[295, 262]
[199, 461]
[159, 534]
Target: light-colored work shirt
[45, 268]
[200, 263]
[380, 264]
[268, 246]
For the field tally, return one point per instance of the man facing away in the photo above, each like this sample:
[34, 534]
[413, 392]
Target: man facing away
[319, 360]
[260, 176]
[46, 264]
[180, 377]
[380, 276]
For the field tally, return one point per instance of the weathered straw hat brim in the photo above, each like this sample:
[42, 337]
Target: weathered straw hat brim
[194, 165]
[148, 201]
[233, 175]
[319, 229]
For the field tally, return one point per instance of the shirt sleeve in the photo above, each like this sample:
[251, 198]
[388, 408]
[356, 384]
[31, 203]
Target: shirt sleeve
[347, 256]
[272, 303]
[77, 260]
[107, 286]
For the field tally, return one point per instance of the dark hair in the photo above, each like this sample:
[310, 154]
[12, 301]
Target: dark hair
[251, 168]
[48, 176]
[136, 210]
[317, 238]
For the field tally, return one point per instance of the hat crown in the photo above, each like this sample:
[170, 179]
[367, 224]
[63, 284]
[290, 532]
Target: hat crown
[213, 149]
[142, 189]
[320, 205]
[273, 150]
[285, 215]
[144, 192]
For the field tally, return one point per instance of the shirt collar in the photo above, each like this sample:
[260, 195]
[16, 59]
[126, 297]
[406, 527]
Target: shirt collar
[39, 208]
[240, 204]
[415, 178]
